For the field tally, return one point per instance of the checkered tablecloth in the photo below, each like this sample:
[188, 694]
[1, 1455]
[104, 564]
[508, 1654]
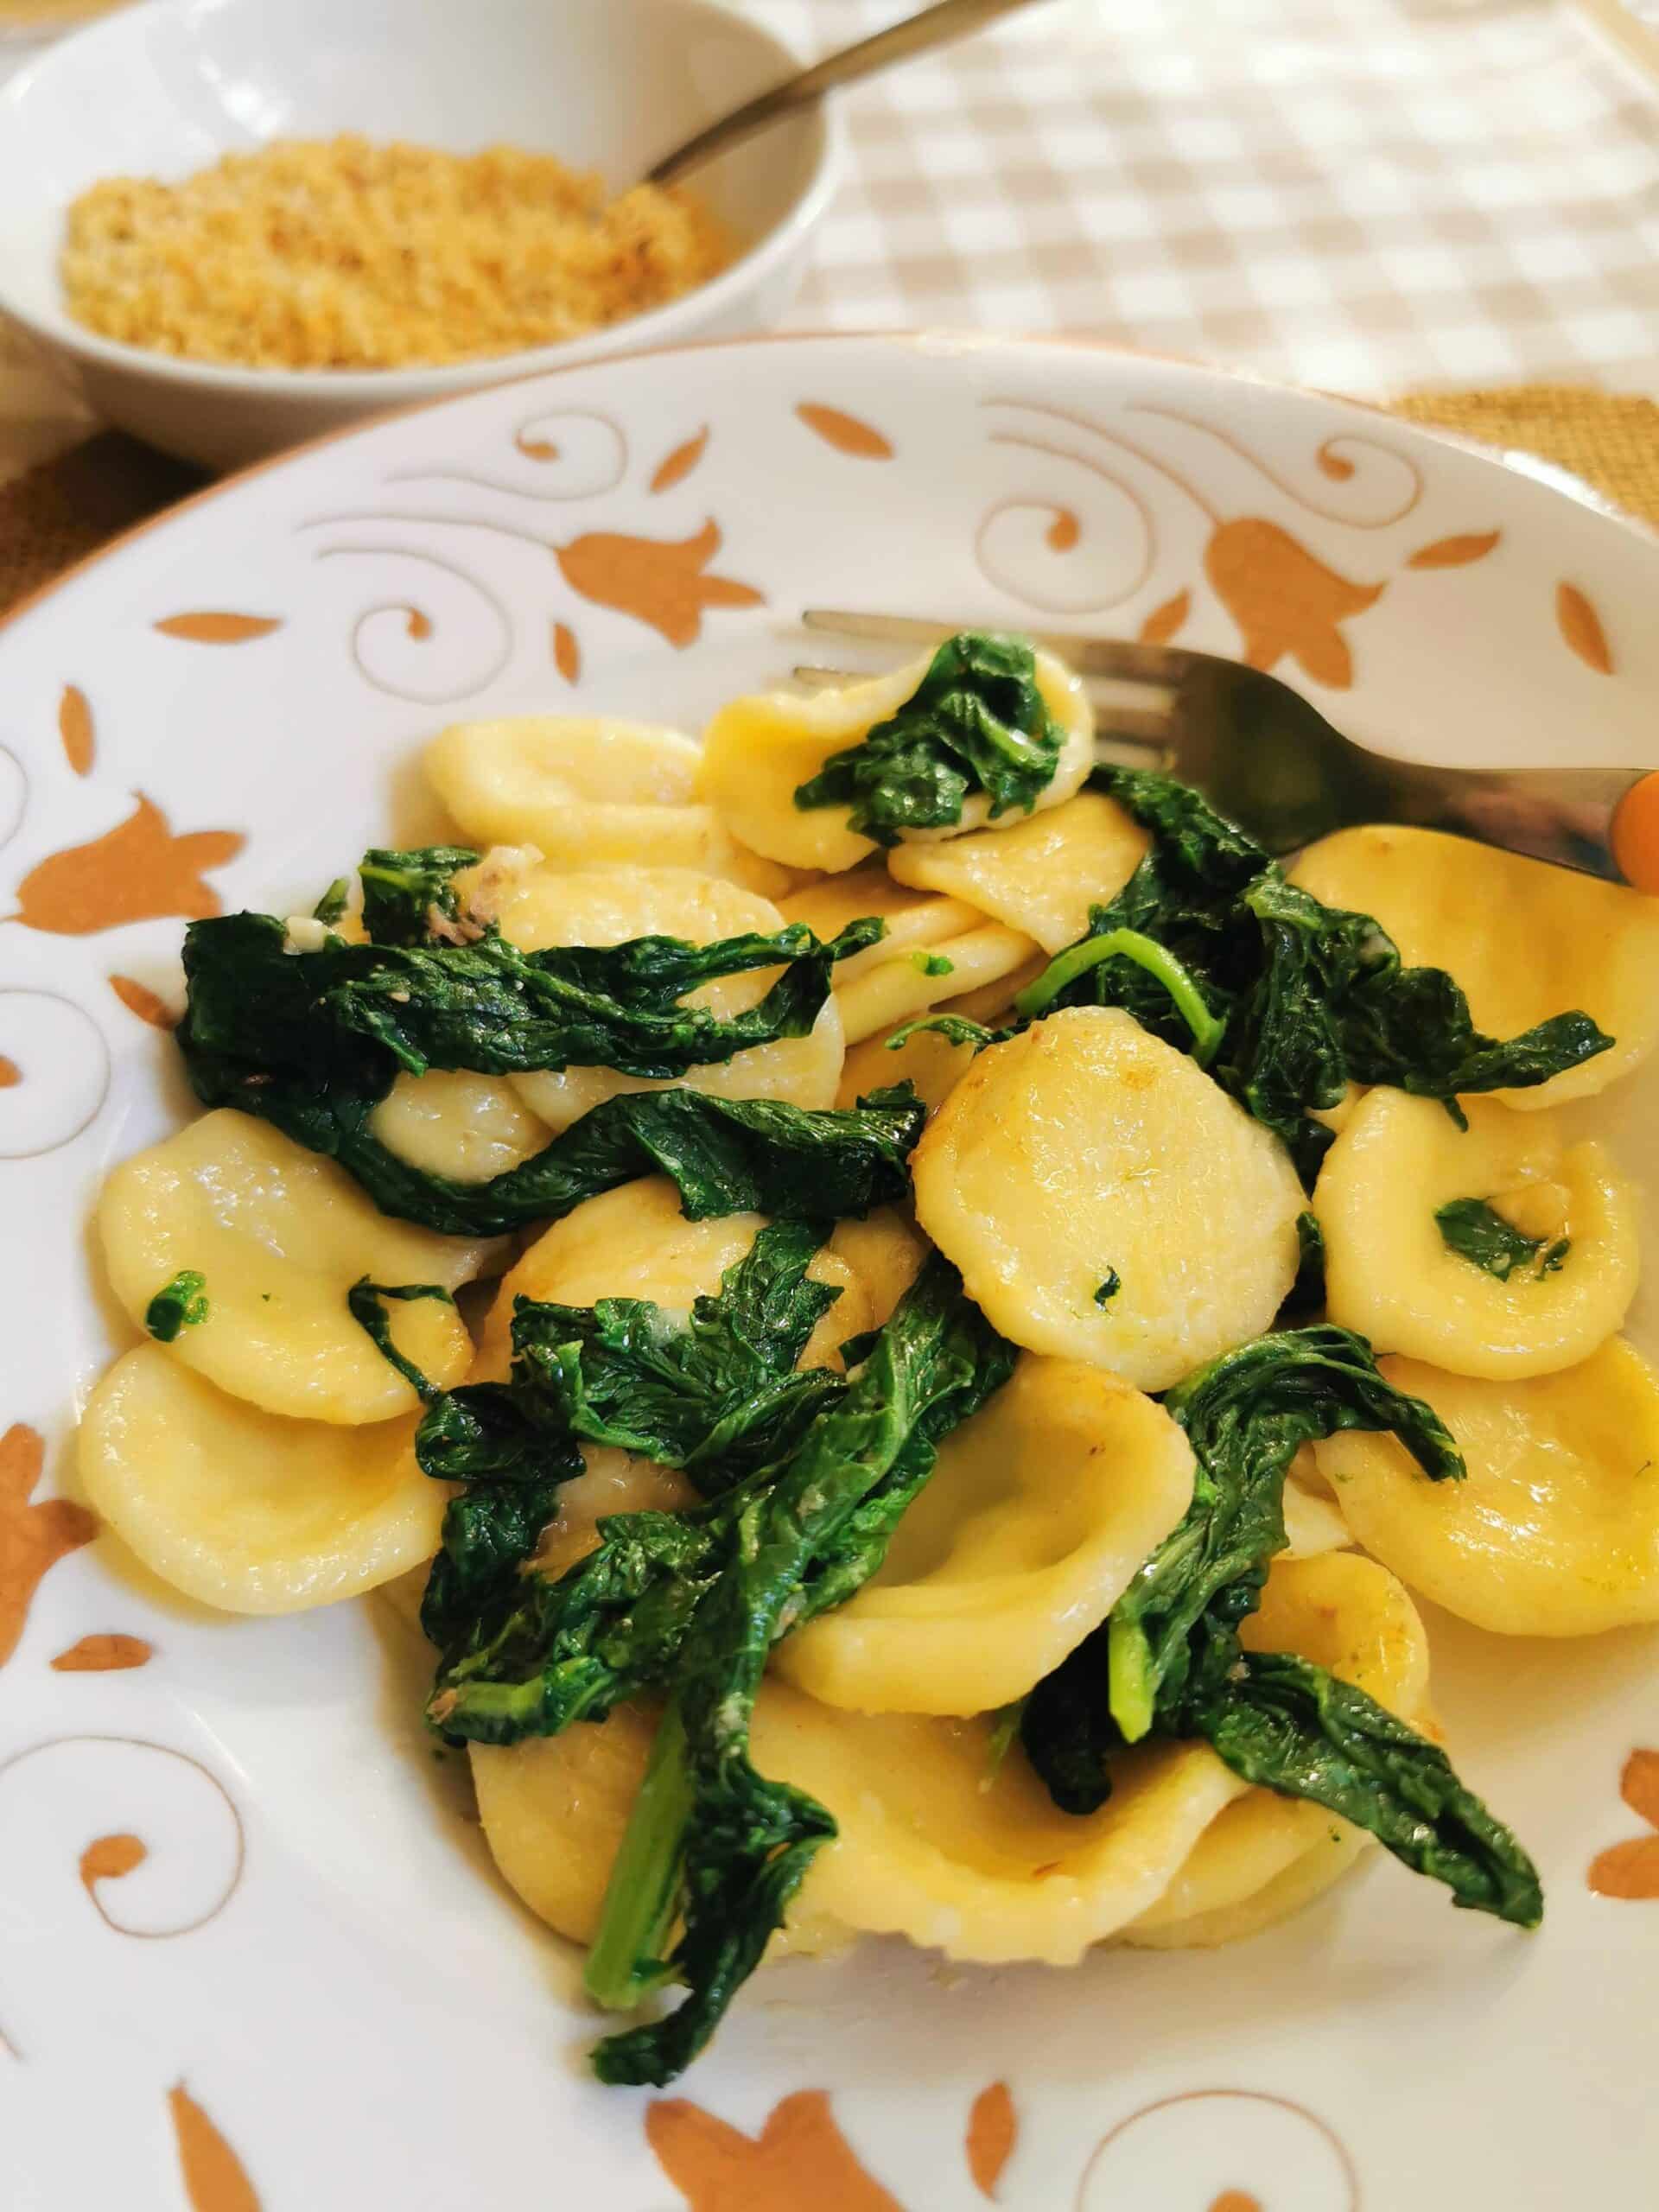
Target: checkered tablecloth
[1369, 195]
[1362, 194]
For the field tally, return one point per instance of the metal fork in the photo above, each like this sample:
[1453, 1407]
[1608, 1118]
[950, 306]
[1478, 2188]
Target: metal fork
[1275, 764]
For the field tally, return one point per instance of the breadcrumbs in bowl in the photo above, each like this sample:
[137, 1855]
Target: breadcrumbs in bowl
[338, 254]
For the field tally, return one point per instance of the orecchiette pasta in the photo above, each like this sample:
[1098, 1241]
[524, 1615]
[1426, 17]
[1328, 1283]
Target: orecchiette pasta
[554, 1810]
[936, 949]
[905, 985]
[537, 906]
[588, 790]
[453, 1123]
[1041, 876]
[1555, 1531]
[1040, 1511]
[1390, 1274]
[242, 1508]
[972, 1530]
[759, 751]
[939, 1844]
[634, 1242]
[926, 1059]
[1525, 940]
[611, 1482]
[1084, 1148]
[916, 920]
[885, 1252]
[1350, 1616]
[1303, 1875]
[280, 1235]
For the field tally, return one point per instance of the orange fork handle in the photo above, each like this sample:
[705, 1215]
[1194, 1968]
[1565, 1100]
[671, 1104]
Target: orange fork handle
[1636, 835]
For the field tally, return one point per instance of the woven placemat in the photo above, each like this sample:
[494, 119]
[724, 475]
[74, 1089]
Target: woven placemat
[57, 513]
[1609, 440]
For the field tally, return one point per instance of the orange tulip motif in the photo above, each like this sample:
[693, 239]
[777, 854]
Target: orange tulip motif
[1286, 601]
[33, 1537]
[135, 873]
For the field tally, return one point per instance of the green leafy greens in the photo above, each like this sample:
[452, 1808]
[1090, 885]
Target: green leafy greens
[714, 1393]
[313, 1039]
[366, 1303]
[1306, 1294]
[804, 1482]
[977, 722]
[1479, 1233]
[1284, 999]
[1169, 1661]
[181, 1303]
[332, 905]
[410, 897]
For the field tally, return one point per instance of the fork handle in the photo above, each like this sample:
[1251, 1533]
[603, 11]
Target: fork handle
[1603, 822]
[1635, 835]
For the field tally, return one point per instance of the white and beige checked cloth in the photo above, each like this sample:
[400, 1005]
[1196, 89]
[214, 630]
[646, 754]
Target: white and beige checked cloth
[1361, 194]
[1366, 196]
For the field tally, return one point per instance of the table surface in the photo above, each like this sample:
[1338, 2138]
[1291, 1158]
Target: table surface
[1366, 195]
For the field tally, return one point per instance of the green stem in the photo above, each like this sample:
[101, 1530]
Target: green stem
[626, 1962]
[1146, 952]
[1129, 1676]
[1005, 1726]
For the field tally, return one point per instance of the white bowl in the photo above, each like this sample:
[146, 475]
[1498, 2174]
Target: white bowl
[165, 89]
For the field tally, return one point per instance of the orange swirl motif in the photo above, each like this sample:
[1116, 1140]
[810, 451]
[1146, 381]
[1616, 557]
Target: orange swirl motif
[1286, 602]
[1330, 458]
[113, 1856]
[1307, 2158]
[382, 632]
[598, 464]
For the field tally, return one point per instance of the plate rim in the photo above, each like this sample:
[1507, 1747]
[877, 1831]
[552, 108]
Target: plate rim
[944, 338]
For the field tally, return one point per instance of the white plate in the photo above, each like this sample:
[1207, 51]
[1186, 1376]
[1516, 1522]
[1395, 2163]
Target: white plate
[225, 708]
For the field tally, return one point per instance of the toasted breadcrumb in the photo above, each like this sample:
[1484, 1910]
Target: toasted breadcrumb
[338, 254]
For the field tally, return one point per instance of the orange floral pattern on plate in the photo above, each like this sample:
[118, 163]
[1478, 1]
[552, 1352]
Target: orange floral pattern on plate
[679, 464]
[106, 1654]
[33, 1538]
[1455, 552]
[75, 730]
[992, 2129]
[660, 581]
[1285, 601]
[1630, 1870]
[215, 2180]
[1161, 625]
[148, 1005]
[108, 1859]
[800, 2161]
[216, 626]
[134, 873]
[10, 1074]
[567, 653]
[1580, 626]
[848, 434]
